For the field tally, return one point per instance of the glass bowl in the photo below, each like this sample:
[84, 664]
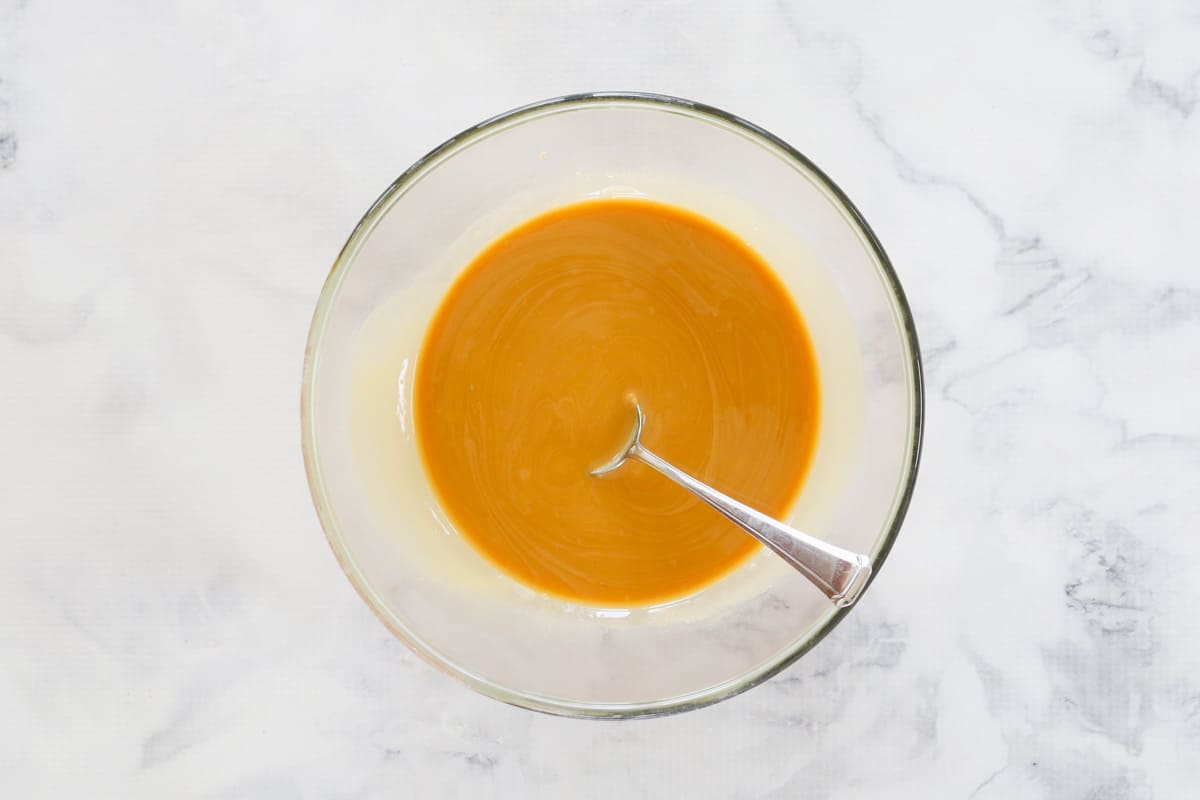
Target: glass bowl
[401, 553]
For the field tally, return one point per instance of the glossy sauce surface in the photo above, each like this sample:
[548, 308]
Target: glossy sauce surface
[521, 385]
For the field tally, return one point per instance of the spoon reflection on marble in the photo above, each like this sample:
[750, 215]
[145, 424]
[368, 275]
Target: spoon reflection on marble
[840, 574]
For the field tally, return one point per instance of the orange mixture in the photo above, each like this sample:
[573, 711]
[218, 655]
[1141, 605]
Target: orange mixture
[521, 383]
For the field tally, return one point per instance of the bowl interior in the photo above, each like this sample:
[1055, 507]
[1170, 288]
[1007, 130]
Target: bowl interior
[402, 553]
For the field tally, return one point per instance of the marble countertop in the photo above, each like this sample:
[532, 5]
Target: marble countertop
[175, 180]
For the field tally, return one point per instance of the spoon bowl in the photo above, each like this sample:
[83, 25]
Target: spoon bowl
[634, 441]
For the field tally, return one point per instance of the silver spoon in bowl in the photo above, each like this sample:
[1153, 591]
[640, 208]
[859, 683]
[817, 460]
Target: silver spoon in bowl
[840, 574]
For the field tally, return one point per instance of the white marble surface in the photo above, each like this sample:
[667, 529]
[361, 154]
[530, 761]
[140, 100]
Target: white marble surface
[175, 179]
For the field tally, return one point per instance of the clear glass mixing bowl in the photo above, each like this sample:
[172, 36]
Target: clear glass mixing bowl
[399, 550]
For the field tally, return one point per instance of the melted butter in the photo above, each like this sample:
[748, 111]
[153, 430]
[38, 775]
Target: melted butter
[520, 387]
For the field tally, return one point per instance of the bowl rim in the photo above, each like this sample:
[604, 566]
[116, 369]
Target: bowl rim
[309, 446]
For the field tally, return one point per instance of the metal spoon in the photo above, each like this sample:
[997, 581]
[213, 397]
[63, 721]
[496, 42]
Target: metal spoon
[840, 574]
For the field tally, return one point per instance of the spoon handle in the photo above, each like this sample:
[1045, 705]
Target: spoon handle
[840, 574]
